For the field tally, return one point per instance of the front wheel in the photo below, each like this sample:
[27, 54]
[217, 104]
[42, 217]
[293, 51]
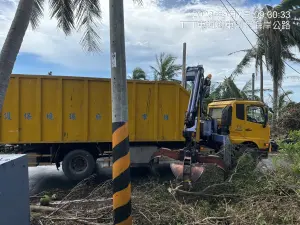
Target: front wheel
[78, 165]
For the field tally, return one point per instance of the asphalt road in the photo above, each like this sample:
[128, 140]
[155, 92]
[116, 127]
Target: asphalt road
[43, 178]
[48, 177]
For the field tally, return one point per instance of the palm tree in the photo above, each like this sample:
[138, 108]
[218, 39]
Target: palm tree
[166, 69]
[70, 15]
[277, 43]
[138, 74]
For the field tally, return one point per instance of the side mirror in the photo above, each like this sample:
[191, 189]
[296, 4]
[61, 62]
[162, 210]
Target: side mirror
[226, 116]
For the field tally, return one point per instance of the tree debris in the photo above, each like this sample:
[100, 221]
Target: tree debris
[247, 197]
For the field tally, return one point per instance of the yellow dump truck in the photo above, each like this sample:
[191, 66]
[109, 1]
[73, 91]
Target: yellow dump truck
[59, 119]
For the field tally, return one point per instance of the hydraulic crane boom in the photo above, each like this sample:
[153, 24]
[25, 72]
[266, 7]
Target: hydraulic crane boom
[193, 160]
[200, 90]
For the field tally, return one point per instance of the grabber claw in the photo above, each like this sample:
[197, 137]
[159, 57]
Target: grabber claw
[191, 166]
[196, 171]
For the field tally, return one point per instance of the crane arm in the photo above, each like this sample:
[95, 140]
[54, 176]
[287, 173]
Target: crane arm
[200, 90]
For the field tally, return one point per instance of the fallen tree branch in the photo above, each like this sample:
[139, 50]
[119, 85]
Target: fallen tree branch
[102, 200]
[216, 218]
[201, 193]
[207, 195]
[100, 209]
[145, 217]
[38, 208]
[82, 220]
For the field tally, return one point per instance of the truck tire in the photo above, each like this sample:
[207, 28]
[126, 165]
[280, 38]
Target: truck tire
[78, 165]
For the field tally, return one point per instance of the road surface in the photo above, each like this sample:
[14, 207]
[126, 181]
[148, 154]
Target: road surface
[47, 177]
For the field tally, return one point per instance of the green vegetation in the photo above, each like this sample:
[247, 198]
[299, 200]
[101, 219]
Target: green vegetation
[138, 74]
[45, 200]
[165, 69]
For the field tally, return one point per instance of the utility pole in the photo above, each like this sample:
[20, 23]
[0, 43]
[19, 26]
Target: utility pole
[120, 140]
[183, 82]
[253, 78]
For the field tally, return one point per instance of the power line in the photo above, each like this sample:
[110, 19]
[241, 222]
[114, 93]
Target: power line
[237, 24]
[255, 34]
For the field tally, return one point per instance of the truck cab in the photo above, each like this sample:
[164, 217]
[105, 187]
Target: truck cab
[245, 121]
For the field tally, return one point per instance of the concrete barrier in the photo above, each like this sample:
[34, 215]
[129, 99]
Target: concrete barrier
[14, 190]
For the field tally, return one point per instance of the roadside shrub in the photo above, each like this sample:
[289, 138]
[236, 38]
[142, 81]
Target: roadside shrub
[290, 151]
[288, 120]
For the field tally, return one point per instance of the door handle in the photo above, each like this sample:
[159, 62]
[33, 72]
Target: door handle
[248, 129]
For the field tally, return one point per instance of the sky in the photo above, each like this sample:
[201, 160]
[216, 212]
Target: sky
[157, 26]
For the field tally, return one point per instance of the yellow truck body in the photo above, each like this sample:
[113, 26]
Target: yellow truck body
[61, 109]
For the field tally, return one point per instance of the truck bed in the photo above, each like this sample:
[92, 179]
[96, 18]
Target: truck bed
[61, 109]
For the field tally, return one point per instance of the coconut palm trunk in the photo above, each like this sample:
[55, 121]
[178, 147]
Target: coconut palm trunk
[13, 44]
[261, 79]
[275, 100]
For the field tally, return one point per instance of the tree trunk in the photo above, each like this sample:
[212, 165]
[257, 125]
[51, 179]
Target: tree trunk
[13, 44]
[261, 80]
[275, 101]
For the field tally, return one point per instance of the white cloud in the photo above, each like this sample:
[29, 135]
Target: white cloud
[150, 30]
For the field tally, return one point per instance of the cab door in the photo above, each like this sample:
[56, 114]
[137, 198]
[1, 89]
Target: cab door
[237, 128]
[254, 130]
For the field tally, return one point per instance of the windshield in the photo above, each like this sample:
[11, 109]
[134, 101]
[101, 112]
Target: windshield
[255, 114]
[216, 113]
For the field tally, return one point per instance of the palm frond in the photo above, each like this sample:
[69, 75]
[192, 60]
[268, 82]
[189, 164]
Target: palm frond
[256, 98]
[256, 90]
[243, 50]
[244, 63]
[290, 56]
[281, 99]
[247, 86]
[233, 89]
[88, 14]
[166, 68]
[37, 13]
[287, 5]
[295, 13]
[156, 73]
[63, 11]
[292, 35]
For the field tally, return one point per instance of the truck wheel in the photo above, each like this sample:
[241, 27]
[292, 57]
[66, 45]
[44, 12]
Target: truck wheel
[78, 165]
